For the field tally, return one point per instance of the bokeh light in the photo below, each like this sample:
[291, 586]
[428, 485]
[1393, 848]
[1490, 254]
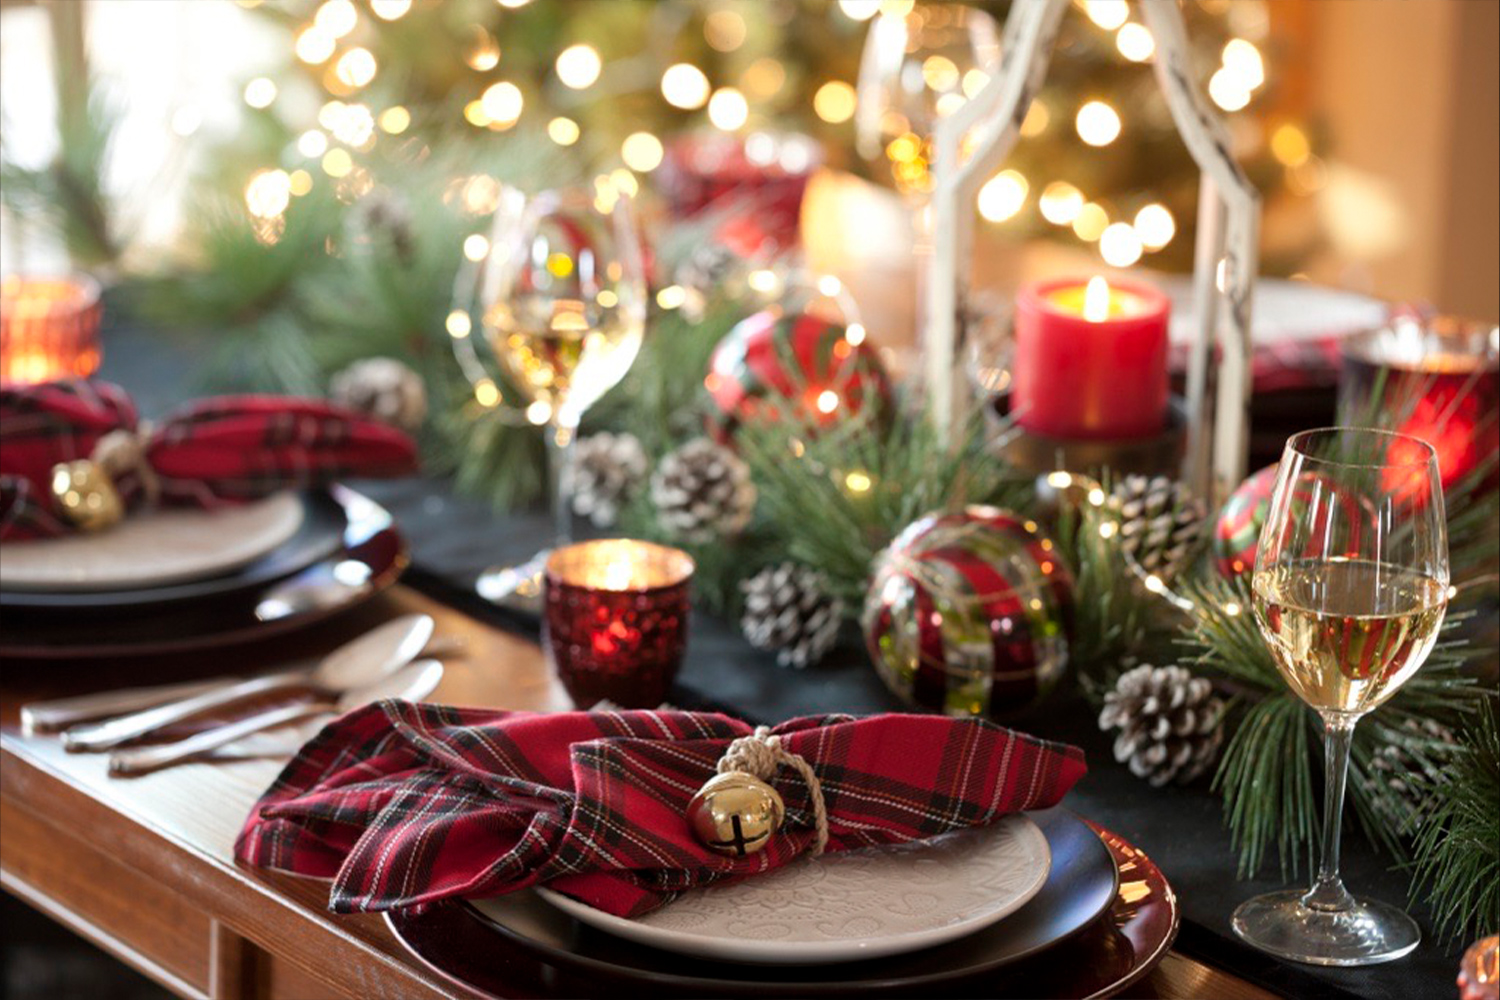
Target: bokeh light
[502, 104]
[1060, 203]
[1135, 42]
[1098, 124]
[563, 131]
[260, 92]
[834, 102]
[1003, 195]
[727, 109]
[578, 66]
[1119, 245]
[1155, 226]
[641, 152]
[684, 86]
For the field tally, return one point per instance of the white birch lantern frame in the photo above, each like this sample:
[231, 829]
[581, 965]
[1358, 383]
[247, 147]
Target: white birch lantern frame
[1225, 255]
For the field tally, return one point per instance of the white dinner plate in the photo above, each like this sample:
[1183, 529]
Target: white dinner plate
[850, 905]
[154, 548]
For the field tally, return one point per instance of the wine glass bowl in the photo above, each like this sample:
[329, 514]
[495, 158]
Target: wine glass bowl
[1350, 587]
[918, 67]
[564, 300]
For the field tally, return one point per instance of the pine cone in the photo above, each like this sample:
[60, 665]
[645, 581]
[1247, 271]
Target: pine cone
[1160, 523]
[1394, 765]
[788, 609]
[607, 470]
[703, 491]
[382, 388]
[1170, 722]
[704, 272]
[382, 218]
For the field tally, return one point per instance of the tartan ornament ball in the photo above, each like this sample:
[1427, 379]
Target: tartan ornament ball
[776, 365]
[1237, 529]
[968, 613]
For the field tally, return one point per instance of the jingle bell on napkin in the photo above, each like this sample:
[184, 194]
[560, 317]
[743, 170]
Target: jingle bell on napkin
[402, 804]
[74, 455]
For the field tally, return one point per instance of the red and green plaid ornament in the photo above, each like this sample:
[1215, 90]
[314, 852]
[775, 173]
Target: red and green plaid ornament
[1237, 529]
[969, 612]
[776, 364]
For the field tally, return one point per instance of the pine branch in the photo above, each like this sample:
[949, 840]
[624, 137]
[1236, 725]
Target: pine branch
[1457, 866]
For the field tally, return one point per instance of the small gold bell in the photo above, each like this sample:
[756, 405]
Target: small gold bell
[86, 495]
[736, 813]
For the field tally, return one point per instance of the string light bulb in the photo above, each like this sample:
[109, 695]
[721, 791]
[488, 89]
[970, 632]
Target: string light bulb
[728, 109]
[1098, 124]
[1003, 195]
[563, 131]
[685, 86]
[1155, 226]
[1135, 42]
[578, 66]
[642, 152]
[260, 92]
[1119, 245]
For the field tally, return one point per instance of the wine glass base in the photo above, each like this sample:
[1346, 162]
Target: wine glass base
[1365, 934]
[518, 588]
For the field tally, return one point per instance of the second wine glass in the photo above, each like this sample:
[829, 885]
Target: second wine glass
[563, 307]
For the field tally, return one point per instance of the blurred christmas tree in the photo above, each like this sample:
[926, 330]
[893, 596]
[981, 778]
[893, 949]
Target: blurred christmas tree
[332, 223]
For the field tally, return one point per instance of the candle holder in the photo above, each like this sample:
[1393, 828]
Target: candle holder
[1434, 378]
[49, 328]
[1479, 971]
[1159, 454]
[615, 624]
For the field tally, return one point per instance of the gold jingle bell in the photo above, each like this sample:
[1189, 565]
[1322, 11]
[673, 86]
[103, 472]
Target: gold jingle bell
[736, 813]
[86, 495]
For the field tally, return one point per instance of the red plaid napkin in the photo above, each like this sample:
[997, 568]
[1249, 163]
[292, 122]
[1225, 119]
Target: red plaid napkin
[404, 804]
[211, 452]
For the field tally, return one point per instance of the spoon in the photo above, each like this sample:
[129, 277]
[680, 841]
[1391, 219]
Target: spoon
[412, 682]
[373, 655]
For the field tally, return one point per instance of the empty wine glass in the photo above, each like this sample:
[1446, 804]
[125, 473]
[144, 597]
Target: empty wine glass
[1349, 590]
[561, 297]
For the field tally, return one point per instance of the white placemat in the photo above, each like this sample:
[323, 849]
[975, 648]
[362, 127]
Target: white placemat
[153, 548]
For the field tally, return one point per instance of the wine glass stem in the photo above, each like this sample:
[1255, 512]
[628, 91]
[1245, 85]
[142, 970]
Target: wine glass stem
[1328, 892]
[560, 440]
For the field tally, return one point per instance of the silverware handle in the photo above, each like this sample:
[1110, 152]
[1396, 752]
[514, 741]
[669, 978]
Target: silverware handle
[138, 760]
[105, 735]
[59, 713]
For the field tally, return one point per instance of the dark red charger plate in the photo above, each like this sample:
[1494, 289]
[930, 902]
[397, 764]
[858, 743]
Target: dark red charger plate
[1112, 951]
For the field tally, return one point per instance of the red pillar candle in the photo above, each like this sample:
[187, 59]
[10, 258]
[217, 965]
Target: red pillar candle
[1090, 360]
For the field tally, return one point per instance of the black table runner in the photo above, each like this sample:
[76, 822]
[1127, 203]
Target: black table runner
[454, 538]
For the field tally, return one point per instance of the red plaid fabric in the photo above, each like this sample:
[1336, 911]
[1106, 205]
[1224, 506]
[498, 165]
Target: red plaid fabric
[215, 451]
[404, 804]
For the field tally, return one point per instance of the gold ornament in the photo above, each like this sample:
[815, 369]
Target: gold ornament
[736, 813]
[86, 495]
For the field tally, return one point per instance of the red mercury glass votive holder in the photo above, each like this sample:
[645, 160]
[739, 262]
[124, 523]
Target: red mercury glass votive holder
[616, 618]
[49, 328]
[1438, 379]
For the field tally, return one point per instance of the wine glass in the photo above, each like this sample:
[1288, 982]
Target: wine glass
[562, 303]
[1349, 590]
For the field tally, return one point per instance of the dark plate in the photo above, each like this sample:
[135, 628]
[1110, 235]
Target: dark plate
[370, 555]
[1059, 944]
[320, 535]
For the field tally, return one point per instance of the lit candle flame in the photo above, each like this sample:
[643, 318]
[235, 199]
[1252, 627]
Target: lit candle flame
[617, 575]
[1096, 300]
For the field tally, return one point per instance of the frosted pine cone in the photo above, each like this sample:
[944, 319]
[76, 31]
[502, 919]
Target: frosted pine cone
[1160, 523]
[788, 609]
[607, 470]
[1171, 723]
[703, 492]
[382, 388]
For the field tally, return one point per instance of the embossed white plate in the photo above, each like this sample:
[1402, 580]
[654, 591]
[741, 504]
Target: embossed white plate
[154, 548]
[847, 906]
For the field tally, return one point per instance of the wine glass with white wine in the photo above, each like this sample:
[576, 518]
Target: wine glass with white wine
[562, 303]
[1350, 587]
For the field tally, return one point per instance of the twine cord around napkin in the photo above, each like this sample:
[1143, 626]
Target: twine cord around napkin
[759, 754]
[123, 452]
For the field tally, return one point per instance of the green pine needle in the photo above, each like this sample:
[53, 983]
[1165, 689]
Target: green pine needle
[1457, 866]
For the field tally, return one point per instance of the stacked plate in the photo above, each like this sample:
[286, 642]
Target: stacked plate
[1036, 905]
[182, 579]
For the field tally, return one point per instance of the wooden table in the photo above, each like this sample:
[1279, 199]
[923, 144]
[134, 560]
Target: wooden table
[143, 867]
